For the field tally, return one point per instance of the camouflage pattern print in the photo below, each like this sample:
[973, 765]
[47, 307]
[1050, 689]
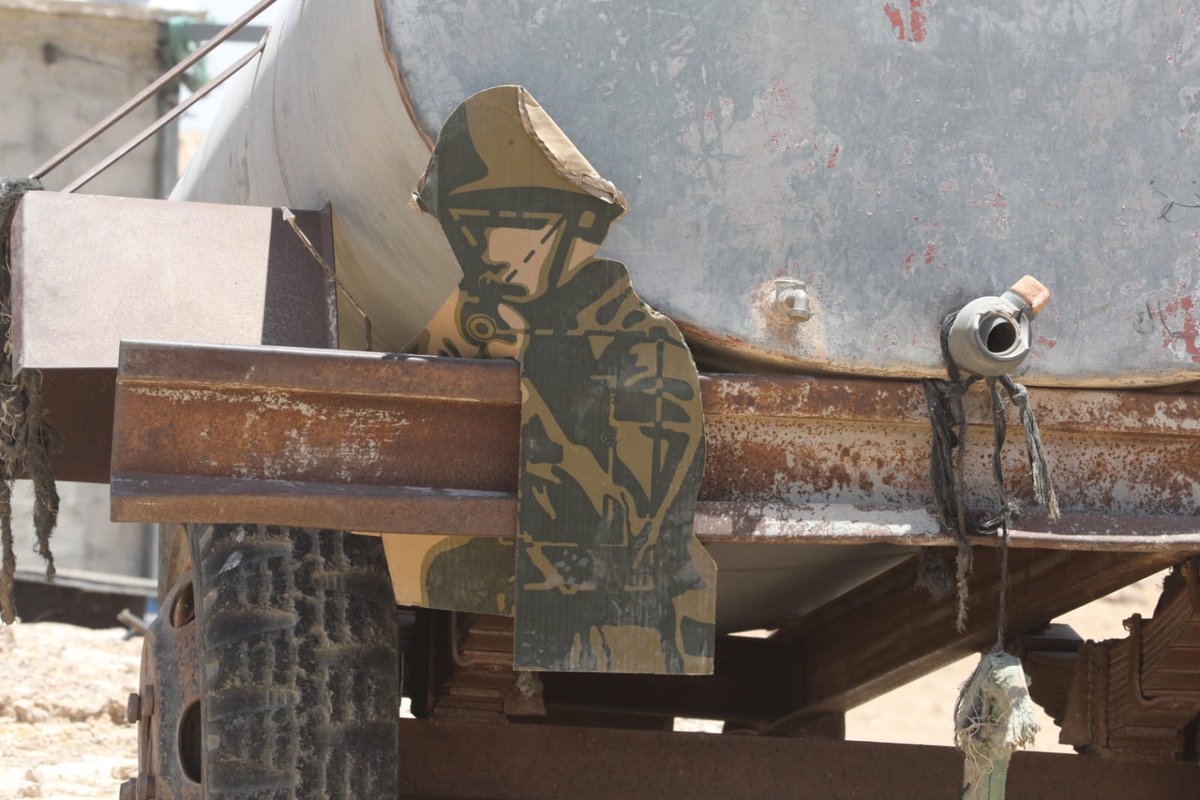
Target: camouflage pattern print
[609, 576]
[475, 574]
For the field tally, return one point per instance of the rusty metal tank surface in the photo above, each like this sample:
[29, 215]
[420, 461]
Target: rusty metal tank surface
[897, 158]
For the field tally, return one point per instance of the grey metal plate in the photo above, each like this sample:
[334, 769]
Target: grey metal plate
[89, 271]
[900, 157]
[762, 583]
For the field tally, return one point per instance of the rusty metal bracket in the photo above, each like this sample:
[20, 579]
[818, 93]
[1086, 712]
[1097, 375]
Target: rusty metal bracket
[166, 708]
[1176, 699]
[1138, 697]
[889, 631]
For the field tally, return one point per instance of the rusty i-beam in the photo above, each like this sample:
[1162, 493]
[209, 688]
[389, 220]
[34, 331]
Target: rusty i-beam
[404, 444]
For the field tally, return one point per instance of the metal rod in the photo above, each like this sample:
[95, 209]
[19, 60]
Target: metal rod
[144, 95]
[203, 31]
[290, 219]
[165, 119]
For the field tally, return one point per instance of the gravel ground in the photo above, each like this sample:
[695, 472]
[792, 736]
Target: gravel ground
[62, 711]
[62, 705]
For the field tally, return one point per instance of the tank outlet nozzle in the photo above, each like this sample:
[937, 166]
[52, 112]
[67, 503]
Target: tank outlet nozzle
[990, 335]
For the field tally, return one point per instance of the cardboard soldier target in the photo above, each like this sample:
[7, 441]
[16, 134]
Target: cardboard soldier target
[608, 576]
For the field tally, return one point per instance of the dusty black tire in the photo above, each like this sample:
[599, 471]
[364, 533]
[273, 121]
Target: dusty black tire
[299, 651]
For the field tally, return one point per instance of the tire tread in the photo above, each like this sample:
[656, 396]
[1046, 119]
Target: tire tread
[301, 682]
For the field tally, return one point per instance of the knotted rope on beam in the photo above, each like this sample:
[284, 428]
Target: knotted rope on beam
[27, 440]
[994, 713]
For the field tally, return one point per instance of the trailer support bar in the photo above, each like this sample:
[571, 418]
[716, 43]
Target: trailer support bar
[398, 444]
[533, 762]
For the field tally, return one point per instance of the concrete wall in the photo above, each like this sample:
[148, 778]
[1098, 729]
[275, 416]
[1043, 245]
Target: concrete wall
[85, 538]
[63, 67]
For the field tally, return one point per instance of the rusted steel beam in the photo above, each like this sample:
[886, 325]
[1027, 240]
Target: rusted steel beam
[420, 445]
[147, 497]
[457, 760]
[888, 631]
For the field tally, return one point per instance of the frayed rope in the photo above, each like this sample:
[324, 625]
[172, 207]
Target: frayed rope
[26, 439]
[948, 421]
[994, 713]
[994, 716]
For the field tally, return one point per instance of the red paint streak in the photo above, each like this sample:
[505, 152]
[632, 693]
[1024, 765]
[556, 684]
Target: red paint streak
[997, 201]
[1190, 334]
[1049, 344]
[916, 20]
[778, 93]
[833, 157]
[930, 252]
[908, 260]
[1182, 304]
[894, 17]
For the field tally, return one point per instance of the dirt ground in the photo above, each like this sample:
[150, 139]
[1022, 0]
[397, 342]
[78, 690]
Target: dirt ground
[62, 711]
[62, 702]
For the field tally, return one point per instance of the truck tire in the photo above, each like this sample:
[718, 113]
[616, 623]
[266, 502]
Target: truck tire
[299, 654]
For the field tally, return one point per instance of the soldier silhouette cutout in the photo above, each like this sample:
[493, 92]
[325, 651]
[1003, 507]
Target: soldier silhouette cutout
[609, 576]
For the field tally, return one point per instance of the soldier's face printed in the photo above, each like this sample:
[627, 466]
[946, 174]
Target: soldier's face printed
[522, 254]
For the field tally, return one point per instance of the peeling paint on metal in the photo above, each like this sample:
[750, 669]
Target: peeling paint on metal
[831, 449]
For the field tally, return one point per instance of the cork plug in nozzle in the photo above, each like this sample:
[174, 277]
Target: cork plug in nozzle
[990, 336]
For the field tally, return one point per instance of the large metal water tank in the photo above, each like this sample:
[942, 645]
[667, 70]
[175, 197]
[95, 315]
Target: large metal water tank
[899, 158]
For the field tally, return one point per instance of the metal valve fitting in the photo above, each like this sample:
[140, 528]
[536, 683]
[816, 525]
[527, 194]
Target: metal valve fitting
[990, 335]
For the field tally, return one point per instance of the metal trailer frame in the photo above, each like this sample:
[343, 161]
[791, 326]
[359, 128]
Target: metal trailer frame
[403, 445]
